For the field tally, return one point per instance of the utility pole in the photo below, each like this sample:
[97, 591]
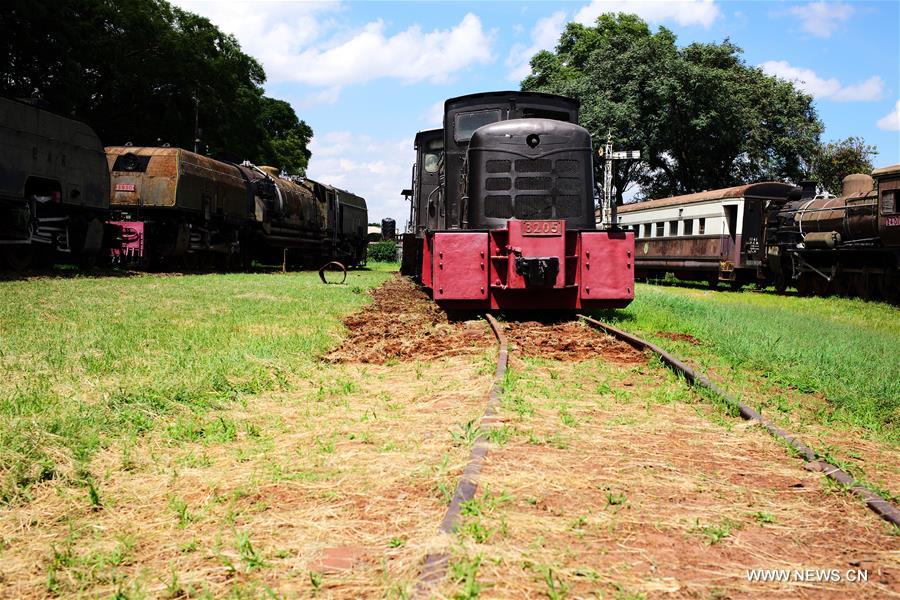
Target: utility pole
[609, 157]
[196, 123]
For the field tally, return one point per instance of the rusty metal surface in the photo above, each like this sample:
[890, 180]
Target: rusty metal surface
[339, 266]
[883, 508]
[768, 189]
[435, 565]
[177, 178]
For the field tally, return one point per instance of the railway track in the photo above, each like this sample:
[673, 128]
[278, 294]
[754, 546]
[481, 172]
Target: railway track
[435, 565]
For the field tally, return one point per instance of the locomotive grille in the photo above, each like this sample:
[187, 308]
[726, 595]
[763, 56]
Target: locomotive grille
[534, 183]
[534, 207]
[498, 166]
[539, 165]
[542, 189]
[498, 207]
[494, 184]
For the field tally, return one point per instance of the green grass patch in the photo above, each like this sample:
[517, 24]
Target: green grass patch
[89, 360]
[844, 349]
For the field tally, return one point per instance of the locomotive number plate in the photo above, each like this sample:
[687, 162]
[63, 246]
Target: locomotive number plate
[125, 187]
[541, 228]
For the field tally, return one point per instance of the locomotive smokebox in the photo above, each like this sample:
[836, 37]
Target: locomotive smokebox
[530, 169]
[388, 229]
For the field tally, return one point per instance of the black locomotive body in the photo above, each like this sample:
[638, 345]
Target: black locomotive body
[53, 187]
[510, 223]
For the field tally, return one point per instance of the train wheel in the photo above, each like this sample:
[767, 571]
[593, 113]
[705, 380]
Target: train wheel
[713, 284]
[780, 284]
[736, 285]
[18, 257]
[803, 285]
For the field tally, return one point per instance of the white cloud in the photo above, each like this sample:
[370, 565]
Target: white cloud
[821, 19]
[434, 116]
[375, 169]
[807, 80]
[297, 41]
[682, 12]
[544, 35]
[891, 121]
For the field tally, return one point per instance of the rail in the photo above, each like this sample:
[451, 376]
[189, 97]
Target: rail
[435, 565]
[880, 506]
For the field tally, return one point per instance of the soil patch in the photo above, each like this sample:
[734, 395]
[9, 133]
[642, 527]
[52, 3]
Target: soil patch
[569, 341]
[402, 323]
[679, 337]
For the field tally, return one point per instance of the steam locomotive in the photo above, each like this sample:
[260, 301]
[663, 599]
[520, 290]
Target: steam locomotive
[502, 210]
[849, 245]
[63, 197]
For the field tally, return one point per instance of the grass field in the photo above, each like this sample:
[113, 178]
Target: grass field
[89, 359]
[843, 351]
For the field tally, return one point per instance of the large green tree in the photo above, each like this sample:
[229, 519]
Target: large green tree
[835, 160]
[143, 71]
[701, 116]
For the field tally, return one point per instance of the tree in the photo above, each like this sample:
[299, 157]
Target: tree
[701, 117]
[142, 71]
[835, 160]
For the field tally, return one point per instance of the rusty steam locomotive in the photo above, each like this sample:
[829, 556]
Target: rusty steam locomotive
[64, 197]
[848, 245]
[502, 210]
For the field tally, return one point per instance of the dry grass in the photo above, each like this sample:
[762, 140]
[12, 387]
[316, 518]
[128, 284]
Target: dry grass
[625, 487]
[286, 495]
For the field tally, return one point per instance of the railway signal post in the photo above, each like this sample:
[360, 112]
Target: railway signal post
[609, 157]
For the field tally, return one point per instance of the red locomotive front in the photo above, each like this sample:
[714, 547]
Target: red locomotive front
[517, 206]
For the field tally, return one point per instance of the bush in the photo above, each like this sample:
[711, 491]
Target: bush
[383, 251]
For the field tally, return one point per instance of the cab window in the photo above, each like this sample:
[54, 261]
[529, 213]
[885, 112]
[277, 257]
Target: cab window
[431, 162]
[889, 201]
[467, 123]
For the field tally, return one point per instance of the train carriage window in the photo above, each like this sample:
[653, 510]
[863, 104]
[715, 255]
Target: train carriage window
[660, 229]
[647, 230]
[673, 228]
[889, 201]
[467, 123]
[701, 226]
[688, 227]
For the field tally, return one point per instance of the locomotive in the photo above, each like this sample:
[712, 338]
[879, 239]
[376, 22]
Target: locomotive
[53, 187]
[64, 197]
[848, 245]
[502, 210]
[172, 205]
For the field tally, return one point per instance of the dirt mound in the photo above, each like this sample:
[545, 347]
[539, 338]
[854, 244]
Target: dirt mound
[402, 323]
[680, 337]
[569, 340]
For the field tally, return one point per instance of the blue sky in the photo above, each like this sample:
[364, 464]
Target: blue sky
[367, 75]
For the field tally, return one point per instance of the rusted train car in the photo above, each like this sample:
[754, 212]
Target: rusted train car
[715, 236]
[172, 206]
[848, 245]
[53, 188]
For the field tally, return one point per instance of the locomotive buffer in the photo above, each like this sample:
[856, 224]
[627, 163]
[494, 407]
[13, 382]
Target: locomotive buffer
[608, 156]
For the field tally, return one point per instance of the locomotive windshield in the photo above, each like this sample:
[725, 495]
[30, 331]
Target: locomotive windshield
[432, 162]
[467, 123]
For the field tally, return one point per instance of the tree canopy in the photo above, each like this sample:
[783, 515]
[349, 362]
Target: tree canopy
[835, 160]
[140, 71]
[701, 116]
